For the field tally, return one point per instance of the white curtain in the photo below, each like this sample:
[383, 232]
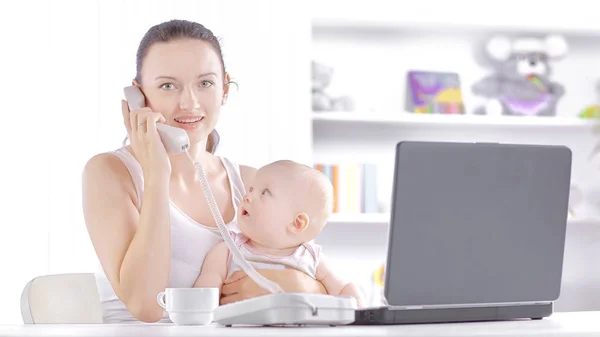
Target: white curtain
[63, 66]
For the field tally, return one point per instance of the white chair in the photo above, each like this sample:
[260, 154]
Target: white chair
[61, 299]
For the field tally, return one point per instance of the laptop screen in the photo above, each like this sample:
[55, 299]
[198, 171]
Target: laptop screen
[477, 223]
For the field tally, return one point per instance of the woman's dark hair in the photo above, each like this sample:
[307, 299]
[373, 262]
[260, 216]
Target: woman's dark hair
[180, 29]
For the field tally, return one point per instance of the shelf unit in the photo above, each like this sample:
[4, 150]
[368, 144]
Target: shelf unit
[362, 218]
[407, 118]
[451, 17]
[334, 25]
[372, 46]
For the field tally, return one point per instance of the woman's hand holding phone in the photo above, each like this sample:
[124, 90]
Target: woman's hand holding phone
[146, 143]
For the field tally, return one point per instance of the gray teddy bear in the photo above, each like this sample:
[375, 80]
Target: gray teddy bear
[321, 100]
[521, 83]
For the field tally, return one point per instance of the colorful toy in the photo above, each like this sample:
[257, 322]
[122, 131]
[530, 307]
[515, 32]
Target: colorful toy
[379, 276]
[575, 199]
[592, 111]
[434, 92]
[520, 84]
[537, 82]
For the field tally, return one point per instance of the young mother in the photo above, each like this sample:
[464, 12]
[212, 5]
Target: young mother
[145, 210]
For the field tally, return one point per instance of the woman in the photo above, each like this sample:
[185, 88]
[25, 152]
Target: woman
[145, 210]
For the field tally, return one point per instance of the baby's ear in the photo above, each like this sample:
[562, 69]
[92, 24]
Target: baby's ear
[300, 223]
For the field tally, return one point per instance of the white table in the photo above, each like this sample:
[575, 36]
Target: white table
[559, 324]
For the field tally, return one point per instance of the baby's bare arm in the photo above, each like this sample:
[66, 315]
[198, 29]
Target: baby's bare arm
[214, 268]
[334, 284]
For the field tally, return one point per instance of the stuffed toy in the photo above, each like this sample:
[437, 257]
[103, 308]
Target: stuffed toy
[521, 84]
[592, 111]
[321, 101]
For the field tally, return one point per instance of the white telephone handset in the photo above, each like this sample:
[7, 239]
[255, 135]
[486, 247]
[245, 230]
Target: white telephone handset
[174, 139]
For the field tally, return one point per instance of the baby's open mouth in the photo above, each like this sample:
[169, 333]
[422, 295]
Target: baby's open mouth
[245, 213]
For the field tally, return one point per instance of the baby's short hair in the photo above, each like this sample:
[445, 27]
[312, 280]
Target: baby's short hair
[318, 188]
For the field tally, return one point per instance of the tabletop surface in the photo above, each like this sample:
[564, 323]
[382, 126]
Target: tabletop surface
[559, 324]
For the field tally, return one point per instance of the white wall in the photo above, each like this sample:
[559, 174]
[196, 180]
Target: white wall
[64, 64]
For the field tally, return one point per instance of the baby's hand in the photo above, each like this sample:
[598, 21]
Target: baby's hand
[334, 284]
[352, 290]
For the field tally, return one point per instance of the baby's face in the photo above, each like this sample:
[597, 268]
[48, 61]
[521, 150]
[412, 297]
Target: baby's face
[268, 206]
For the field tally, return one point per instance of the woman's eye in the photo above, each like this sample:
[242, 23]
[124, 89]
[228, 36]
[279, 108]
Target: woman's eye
[168, 86]
[206, 84]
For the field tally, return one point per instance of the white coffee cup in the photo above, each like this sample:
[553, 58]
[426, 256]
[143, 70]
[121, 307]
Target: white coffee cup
[189, 305]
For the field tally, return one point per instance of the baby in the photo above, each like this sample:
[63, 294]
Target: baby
[286, 207]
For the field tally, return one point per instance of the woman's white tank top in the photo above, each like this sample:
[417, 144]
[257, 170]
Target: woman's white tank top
[190, 242]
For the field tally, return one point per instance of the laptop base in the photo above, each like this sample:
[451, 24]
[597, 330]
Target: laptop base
[390, 316]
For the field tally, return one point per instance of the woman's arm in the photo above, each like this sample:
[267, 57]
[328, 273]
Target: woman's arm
[133, 247]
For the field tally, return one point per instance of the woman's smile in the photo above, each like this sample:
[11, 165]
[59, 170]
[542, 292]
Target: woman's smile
[189, 122]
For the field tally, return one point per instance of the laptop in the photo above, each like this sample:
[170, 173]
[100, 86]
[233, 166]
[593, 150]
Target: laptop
[477, 233]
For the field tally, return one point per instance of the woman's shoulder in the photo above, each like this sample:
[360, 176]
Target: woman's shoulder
[105, 167]
[246, 172]
[105, 174]
[103, 163]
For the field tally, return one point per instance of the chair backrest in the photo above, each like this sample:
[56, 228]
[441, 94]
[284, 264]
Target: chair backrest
[61, 299]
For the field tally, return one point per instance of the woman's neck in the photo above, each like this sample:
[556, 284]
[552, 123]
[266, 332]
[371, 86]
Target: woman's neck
[181, 167]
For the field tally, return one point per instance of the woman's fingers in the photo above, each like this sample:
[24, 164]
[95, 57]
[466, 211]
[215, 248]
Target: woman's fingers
[253, 292]
[234, 283]
[241, 288]
[134, 116]
[231, 299]
[142, 119]
[238, 275]
[139, 119]
[151, 123]
[231, 288]
[151, 120]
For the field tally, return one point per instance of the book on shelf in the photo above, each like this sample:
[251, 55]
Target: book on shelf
[354, 186]
[433, 92]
